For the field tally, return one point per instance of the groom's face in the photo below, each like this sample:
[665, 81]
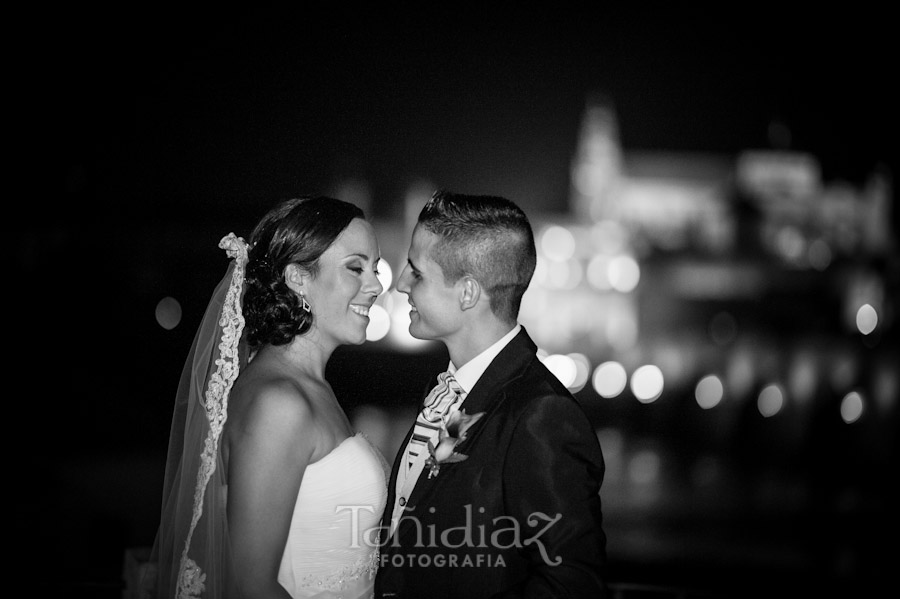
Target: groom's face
[434, 305]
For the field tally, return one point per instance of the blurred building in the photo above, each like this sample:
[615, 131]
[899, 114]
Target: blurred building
[712, 253]
[730, 323]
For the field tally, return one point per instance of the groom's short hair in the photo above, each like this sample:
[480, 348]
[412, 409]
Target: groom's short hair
[486, 237]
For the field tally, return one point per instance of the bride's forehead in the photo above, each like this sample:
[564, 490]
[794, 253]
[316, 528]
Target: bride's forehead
[357, 239]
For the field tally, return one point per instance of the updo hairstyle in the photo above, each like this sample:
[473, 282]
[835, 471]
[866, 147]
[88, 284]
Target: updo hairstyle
[297, 231]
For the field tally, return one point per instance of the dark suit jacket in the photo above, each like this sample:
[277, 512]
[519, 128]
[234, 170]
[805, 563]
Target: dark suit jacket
[521, 516]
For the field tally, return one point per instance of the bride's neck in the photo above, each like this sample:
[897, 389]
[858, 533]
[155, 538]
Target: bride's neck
[302, 354]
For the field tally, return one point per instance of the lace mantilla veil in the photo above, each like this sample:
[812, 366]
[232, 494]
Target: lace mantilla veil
[191, 554]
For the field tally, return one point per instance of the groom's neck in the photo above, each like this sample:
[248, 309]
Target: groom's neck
[474, 338]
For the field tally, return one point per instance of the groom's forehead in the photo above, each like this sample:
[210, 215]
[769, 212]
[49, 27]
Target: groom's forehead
[422, 247]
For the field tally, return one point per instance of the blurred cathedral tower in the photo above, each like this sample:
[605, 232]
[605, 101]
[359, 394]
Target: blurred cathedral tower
[596, 168]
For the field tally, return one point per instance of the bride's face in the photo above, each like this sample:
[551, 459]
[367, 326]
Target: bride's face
[346, 285]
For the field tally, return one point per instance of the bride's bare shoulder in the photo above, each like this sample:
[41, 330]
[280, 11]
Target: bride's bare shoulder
[270, 394]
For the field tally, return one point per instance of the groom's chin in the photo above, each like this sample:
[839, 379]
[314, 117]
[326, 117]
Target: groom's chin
[417, 333]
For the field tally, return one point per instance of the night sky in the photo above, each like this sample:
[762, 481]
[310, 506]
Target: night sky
[199, 115]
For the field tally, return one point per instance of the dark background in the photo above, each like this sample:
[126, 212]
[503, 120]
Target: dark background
[144, 135]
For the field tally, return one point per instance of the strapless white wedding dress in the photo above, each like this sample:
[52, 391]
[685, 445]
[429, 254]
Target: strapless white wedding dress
[331, 549]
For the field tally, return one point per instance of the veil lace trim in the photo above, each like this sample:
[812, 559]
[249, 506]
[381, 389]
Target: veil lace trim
[191, 578]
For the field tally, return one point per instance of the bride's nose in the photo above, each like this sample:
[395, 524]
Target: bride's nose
[372, 285]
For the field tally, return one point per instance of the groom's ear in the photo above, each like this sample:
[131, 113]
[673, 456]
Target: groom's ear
[469, 292]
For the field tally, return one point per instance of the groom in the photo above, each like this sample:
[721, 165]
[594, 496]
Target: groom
[495, 492]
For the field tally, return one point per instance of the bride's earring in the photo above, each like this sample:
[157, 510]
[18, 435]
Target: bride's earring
[303, 303]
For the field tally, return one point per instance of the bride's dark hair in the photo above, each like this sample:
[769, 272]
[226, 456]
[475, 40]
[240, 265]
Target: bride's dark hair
[297, 231]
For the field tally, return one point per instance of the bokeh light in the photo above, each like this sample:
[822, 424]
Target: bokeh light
[385, 274]
[561, 275]
[866, 319]
[741, 372]
[819, 254]
[770, 400]
[379, 323]
[168, 313]
[885, 386]
[843, 369]
[598, 272]
[624, 273]
[562, 367]
[851, 407]
[647, 383]
[398, 333]
[803, 377]
[609, 379]
[582, 371]
[557, 243]
[709, 391]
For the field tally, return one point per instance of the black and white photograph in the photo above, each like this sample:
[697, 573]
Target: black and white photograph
[454, 301]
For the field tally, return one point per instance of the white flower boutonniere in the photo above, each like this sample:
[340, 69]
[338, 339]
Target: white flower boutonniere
[452, 432]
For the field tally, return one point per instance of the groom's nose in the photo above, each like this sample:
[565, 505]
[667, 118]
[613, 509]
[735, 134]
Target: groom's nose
[403, 281]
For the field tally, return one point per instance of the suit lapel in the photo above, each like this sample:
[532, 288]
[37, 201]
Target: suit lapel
[508, 364]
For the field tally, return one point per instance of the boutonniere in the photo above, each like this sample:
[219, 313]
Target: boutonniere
[452, 432]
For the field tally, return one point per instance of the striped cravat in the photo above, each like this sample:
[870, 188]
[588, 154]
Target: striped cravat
[445, 394]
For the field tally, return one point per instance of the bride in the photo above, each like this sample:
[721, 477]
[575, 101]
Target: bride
[268, 491]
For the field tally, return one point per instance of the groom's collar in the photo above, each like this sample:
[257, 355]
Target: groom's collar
[469, 373]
